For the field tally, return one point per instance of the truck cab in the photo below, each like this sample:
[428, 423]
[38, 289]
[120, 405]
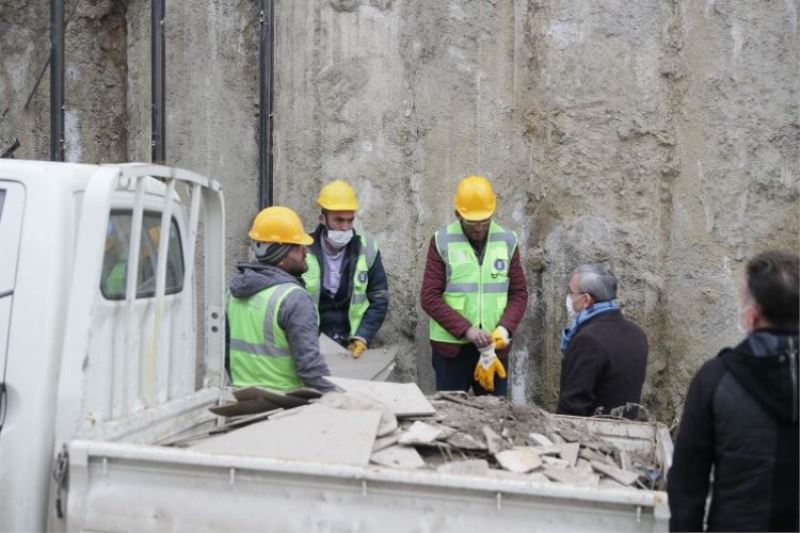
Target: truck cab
[85, 349]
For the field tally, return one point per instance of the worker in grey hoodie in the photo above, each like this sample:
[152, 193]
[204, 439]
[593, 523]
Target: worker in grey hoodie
[272, 335]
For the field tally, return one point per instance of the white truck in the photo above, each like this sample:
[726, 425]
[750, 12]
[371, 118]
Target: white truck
[99, 369]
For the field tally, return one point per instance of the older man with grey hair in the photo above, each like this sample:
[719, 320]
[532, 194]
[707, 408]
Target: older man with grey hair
[604, 354]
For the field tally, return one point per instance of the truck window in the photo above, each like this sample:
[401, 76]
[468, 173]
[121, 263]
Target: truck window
[114, 278]
[2, 198]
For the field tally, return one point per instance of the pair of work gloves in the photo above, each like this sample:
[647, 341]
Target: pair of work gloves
[489, 364]
[357, 346]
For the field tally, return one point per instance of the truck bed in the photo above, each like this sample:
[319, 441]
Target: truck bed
[131, 483]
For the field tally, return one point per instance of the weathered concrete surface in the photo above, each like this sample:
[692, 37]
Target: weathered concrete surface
[661, 137]
[212, 97]
[94, 105]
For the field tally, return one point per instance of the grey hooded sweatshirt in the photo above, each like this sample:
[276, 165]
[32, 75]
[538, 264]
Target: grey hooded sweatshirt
[297, 316]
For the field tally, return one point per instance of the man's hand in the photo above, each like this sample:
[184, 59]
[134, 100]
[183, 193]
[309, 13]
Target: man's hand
[357, 347]
[478, 337]
[500, 337]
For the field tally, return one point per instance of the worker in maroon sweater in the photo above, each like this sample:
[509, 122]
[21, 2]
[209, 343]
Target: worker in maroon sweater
[475, 293]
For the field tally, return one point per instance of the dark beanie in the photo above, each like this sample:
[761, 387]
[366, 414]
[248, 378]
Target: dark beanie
[270, 253]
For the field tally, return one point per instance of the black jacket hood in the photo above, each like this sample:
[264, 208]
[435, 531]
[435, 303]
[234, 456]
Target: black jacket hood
[766, 365]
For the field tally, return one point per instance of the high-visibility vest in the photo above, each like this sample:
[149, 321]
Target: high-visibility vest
[477, 291]
[359, 304]
[259, 350]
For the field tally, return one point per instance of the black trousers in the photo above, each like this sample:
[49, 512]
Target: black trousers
[456, 373]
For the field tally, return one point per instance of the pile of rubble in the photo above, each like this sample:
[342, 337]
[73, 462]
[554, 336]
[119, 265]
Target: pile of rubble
[395, 425]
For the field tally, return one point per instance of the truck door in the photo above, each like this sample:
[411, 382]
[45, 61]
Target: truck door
[12, 205]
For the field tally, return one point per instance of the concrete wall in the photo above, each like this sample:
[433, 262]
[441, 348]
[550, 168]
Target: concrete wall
[661, 137]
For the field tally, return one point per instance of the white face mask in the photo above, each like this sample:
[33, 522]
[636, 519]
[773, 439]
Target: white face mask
[571, 314]
[339, 238]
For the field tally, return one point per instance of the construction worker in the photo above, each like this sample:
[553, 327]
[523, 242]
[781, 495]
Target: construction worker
[345, 273]
[272, 334]
[475, 293]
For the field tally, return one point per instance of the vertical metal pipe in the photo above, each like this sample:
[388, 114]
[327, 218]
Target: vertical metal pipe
[158, 82]
[56, 80]
[265, 70]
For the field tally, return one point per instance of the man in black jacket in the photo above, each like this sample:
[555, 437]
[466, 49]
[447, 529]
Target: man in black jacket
[605, 355]
[740, 416]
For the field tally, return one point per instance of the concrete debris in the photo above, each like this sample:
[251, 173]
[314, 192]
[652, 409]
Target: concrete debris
[470, 467]
[398, 457]
[403, 399]
[280, 399]
[374, 364]
[384, 442]
[571, 476]
[421, 433]
[539, 439]
[520, 460]
[617, 474]
[552, 461]
[457, 434]
[569, 452]
[495, 442]
[246, 407]
[465, 441]
[317, 433]
[357, 402]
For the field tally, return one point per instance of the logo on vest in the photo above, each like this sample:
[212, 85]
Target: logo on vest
[499, 264]
[362, 277]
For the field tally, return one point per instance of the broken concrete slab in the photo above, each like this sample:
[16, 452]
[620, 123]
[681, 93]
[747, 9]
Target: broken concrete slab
[247, 407]
[552, 461]
[569, 452]
[592, 455]
[622, 476]
[280, 399]
[384, 442]
[316, 433]
[520, 460]
[398, 457]
[465, 441]
[374, 364]
[538, 477]
[305, 393]
[539, 439]
[328, 346]
[494, 442]
[470, 467]
[571, 476]
[357, 402]
[421, 433]
[403, 399]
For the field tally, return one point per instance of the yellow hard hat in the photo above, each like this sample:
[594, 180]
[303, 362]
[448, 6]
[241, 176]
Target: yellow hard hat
[475, 199]
[337, 196]
[279, 225]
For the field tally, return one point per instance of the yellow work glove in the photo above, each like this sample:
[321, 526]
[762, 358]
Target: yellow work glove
[488, 365]
[357, 347]
[500, 337]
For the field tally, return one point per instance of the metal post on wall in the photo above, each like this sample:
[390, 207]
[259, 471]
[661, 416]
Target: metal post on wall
[158, 82]
[265, 70]
[56, 80]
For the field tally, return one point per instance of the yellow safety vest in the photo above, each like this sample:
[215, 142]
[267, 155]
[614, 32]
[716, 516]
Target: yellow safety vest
[359, 303]
[479, 292]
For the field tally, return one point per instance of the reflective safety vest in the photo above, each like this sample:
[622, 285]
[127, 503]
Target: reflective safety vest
[478, 292]
[359, 304]
[259, 350]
